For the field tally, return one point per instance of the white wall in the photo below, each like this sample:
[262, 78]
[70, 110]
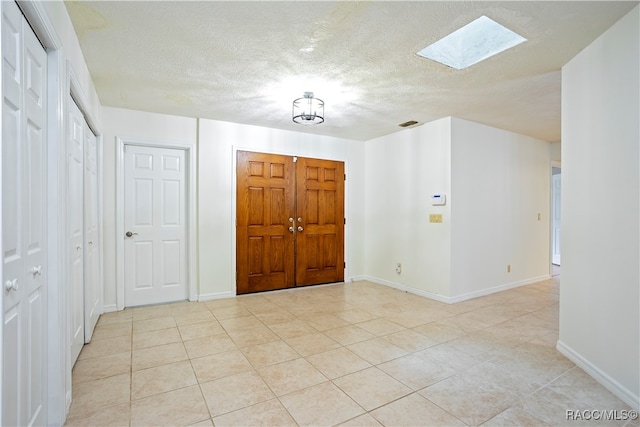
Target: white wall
[496, 183]
[215, 143]
[137, 125]
[57, 13]
[403, 170]
[556, 151]
[500, 182]
[218, 142]
[599, 295]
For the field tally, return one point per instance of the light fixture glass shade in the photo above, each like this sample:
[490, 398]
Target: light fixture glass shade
[308, 110]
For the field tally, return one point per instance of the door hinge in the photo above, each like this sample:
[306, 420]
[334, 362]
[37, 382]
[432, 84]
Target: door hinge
[345, 265]
[345, 176]
[295, 159]
[345, 221]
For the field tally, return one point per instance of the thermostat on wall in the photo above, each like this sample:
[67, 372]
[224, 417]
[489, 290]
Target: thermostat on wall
[439, 200]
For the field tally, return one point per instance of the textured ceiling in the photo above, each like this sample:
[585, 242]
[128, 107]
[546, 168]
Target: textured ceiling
[245, 62]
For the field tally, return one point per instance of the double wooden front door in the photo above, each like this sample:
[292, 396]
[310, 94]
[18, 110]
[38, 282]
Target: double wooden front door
[290, 222]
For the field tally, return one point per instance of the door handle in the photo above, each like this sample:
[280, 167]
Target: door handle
[11, 285]
[291, 229]
[130, 234]
[36, 271]
[300, 228]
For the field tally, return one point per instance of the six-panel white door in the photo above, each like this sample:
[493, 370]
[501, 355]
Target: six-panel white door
[92, 270]
[24, 205]
[75, 210]
[154, 223]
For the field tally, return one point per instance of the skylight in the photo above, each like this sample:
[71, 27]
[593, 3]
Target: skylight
[475, 42]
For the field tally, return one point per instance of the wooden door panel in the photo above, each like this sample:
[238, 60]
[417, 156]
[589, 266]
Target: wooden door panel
[265, 202]
[320, 205]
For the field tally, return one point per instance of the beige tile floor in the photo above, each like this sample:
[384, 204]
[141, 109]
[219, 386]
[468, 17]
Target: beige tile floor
[355, 354]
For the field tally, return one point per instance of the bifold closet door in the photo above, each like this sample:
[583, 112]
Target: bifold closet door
[75, 212]
[84, 229]
[289, 222]
[92, 240]
[24, 213]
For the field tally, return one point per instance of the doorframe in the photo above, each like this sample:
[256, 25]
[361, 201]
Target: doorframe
[234, 202]
[554, 164]
[190, 219]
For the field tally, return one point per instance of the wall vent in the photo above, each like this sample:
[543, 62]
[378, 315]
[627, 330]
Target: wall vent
[407, 124]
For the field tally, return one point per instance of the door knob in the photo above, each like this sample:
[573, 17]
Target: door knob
[291, 220]
[299, 219]
[36, 271]
[291, 229]
[130, 234]
[11, 285]
[300, 228]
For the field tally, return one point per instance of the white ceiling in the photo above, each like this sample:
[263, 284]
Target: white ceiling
[245, 62]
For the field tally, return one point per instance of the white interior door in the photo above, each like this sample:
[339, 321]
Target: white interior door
[75, 206]
[556, 191]
[92, 244]
[24, 204]
[154, 222]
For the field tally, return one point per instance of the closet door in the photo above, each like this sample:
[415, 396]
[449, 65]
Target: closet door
[92, 244]
[75, 211]
[24, 205]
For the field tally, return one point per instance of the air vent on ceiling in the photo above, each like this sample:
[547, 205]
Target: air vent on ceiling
[407, 124]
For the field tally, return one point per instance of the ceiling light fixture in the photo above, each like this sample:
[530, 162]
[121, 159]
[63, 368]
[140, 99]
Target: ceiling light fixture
[475, 42]
[308, 110]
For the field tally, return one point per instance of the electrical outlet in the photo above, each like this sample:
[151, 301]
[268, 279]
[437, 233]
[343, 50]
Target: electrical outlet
[508, 268]
[398, 268]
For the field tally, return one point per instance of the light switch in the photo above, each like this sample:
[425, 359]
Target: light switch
[436, 218]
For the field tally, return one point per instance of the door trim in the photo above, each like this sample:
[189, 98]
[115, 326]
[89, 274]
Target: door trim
[190, 154]
[234, 201]
[553, 164]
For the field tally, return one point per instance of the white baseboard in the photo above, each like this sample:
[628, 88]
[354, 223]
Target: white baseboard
[109, 308]
[216, 295]
[457, 298]
[599, 375]
[404, 288]
[500, 288]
